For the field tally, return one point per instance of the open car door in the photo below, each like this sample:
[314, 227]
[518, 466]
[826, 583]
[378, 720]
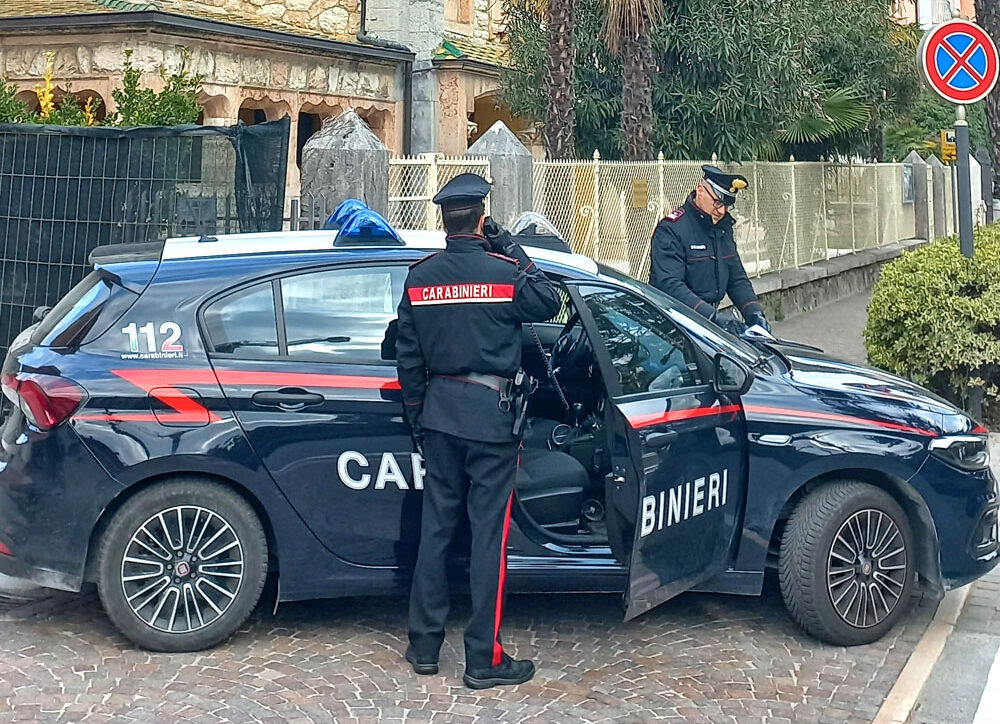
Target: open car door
[677, 489]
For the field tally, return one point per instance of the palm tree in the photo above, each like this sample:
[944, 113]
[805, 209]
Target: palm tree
[628, 26]
[560, 114]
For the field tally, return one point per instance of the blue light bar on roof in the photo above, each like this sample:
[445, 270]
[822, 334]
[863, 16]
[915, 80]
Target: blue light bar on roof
[344, 211]
[367, 227]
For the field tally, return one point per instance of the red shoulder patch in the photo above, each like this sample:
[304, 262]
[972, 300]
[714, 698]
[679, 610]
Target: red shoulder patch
[515, 262]
[421, 261]
[675, 214]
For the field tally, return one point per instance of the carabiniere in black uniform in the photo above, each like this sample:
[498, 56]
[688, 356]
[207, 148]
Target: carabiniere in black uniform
[697, 262]
[458, 351]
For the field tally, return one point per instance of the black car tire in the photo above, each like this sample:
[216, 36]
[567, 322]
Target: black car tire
[176, 498]
[811, 546]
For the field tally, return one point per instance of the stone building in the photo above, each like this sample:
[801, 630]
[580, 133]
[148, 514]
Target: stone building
[423, 74]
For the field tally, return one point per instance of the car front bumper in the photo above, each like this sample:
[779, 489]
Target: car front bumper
[964, 507]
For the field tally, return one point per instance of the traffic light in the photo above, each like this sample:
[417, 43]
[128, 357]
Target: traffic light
[948, 152]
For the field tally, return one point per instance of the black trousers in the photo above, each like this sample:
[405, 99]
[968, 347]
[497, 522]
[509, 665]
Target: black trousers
[481, 475]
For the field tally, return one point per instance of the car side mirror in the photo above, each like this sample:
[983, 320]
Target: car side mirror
[731, 377]
[39, 314]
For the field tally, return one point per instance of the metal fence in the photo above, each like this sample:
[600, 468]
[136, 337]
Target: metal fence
[64, 192]
[793, 213]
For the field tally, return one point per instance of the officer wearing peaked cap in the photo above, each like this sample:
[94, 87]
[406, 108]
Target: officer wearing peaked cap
[458, 349]
[694, 257]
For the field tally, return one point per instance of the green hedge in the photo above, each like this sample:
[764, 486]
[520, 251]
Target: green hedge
[935, 318]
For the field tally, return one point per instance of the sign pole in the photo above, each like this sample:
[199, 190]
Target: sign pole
[964, 182]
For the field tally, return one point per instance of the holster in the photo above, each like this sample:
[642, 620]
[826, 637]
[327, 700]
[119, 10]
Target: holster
[520, 390]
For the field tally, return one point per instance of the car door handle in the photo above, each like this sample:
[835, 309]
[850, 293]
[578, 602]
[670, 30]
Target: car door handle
[655, 440]
[287, 398]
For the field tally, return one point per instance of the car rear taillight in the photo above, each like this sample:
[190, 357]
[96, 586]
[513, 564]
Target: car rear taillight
[46, 400]
[4, 550]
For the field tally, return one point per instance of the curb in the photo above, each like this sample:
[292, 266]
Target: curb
[903, 696]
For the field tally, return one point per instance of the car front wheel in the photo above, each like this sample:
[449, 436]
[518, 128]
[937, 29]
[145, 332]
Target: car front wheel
[846, 566]
[182, 565]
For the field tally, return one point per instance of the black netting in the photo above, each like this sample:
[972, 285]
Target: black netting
[65, 191]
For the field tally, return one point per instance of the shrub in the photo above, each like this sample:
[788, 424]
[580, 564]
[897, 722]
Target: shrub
[11, 109]
[176, 104]
[935, 318]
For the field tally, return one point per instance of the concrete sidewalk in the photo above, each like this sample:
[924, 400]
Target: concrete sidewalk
[836, 328]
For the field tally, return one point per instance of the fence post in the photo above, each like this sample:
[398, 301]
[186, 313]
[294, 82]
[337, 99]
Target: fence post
[430, 212]
[756, 217]
[663, 193]
[822, 215]
[597, 203]
[795, 219]
[293, 222]
[850, 193]
[878, 220]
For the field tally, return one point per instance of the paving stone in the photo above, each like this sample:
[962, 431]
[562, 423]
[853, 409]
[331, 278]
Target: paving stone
[700, 658]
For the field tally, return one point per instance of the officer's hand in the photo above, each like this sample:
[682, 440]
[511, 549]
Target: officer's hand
[760, 320]
[418, 440]
[499, 238]
[728, 321]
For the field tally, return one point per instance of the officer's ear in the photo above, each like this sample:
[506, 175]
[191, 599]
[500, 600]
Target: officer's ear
[479, 226]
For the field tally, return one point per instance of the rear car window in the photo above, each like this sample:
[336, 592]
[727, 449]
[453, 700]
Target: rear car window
[341, 315]
[244, 323]
[69, 321]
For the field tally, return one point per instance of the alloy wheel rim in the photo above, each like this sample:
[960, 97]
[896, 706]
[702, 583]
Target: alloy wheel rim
[866, 568]
[182, 569]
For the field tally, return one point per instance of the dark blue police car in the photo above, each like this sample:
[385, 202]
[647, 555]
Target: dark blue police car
[198, 414]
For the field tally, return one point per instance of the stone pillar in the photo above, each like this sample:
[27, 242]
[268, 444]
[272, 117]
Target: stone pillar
[344, 160]
[976, 191]
[986, 166]
[940, 176]
[921, 202]
[510, 167]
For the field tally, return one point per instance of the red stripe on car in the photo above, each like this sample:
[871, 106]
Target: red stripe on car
[835, 417]
[656, 418]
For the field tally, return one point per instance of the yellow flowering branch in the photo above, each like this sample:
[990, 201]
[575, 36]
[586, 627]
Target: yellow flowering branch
[44, 92]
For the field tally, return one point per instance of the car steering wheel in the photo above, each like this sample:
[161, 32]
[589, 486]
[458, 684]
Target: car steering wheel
[571, 345]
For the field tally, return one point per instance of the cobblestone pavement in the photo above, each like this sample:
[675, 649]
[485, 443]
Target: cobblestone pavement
[699, 658]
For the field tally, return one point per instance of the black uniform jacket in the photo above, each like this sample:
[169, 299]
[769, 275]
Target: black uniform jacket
[696, 262]
[461, 312]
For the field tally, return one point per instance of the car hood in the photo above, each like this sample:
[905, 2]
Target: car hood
[827, 377]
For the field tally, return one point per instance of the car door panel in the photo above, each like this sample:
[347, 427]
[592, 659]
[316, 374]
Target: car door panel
[326, 424]
[677, 487]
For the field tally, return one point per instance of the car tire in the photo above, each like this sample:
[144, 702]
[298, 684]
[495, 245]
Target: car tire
[196, 549]
[846, 564]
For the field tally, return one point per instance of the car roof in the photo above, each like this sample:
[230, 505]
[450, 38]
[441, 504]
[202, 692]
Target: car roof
[289, 242]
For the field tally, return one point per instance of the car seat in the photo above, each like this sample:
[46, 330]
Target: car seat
[551, 487]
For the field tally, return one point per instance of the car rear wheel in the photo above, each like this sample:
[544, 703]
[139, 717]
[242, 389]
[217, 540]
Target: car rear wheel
[182, 565]
[846, 566]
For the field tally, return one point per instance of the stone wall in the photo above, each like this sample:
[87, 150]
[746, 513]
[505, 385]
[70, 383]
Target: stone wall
[337, 18]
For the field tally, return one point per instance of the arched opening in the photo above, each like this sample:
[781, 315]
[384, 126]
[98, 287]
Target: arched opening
[488, 110]
[99, 105]
[252, 116]
[378, 121]
[29, 98]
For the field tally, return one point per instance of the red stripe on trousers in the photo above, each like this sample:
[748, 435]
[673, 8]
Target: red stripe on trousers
[497, 648]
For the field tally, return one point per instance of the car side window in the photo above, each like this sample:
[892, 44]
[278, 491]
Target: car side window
[647, 350]
[342, 315]
[244, 323]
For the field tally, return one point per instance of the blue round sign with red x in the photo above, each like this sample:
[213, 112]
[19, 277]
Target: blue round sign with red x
[960, 62]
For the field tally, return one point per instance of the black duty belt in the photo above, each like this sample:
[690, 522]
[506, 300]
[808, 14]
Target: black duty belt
[494, 382]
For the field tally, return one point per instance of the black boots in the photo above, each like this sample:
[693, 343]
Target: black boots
[424, 668]
[508, 673]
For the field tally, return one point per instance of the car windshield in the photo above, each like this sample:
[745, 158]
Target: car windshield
[686, 318]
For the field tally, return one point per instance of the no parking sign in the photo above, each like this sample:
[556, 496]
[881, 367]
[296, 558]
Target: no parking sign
[959, 61]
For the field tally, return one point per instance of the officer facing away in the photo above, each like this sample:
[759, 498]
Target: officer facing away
[694, 257]
[458, 348]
